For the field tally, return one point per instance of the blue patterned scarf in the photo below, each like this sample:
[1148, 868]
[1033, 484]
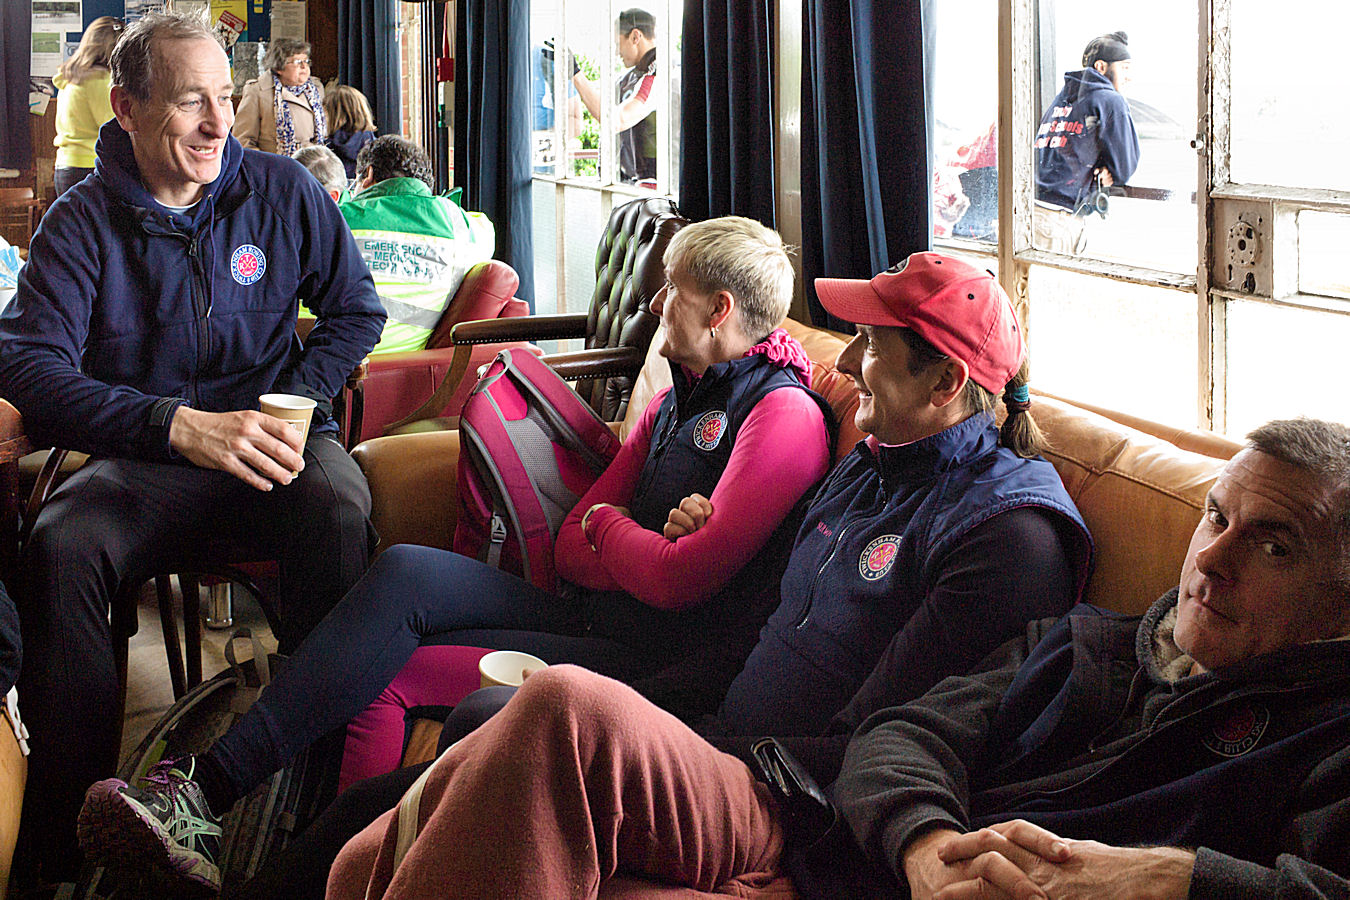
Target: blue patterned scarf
[286, 143]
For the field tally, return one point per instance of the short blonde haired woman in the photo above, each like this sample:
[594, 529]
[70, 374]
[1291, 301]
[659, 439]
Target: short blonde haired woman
[282, 109]
[82, 106]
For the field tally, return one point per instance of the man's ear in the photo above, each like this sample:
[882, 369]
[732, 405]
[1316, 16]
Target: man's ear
[1101, 66]
[950, 377]
[123, 107]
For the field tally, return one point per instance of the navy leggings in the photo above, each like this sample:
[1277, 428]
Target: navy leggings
[410, 593]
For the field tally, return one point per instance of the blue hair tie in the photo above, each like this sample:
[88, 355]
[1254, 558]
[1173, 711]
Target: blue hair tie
[1020, 394]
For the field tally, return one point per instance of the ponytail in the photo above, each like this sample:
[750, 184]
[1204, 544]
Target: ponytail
[1020, 433]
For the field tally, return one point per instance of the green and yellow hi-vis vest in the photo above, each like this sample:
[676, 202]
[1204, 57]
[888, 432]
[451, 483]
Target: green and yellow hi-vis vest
[418, 247]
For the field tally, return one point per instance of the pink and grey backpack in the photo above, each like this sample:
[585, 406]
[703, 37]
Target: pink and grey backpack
[529, 448]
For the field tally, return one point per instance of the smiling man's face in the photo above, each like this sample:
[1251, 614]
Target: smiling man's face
[1261, 571]
[179, 132]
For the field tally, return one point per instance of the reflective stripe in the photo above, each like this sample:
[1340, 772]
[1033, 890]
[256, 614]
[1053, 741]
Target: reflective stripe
[408, 314]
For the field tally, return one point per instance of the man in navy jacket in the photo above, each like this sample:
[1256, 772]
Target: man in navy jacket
[1086, 142]
[1202, 751]
[158, 302]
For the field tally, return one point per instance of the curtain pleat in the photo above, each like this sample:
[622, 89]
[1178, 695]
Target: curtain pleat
[493, 103]
[368, 58]
[726, 110]
[16, 149]
[866, 123]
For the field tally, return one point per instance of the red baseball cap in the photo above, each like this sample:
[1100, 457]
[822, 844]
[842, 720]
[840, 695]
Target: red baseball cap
[959, 309]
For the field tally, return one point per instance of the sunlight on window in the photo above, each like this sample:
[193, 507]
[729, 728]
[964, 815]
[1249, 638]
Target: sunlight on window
[1284, 132]
[1109, 343]
[1284, 362]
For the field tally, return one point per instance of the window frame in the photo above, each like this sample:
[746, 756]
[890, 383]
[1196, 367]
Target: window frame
[1219, 203]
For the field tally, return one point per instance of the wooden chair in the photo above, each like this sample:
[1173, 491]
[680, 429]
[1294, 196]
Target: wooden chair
[19, 215]
[617, 326]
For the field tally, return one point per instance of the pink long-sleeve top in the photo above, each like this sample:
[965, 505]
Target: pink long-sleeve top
[781, 450]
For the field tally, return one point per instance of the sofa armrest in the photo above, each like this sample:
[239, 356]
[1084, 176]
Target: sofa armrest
[520, 328]
[412, 481]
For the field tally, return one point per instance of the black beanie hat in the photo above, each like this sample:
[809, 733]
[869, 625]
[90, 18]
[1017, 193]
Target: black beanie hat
[1108, 48]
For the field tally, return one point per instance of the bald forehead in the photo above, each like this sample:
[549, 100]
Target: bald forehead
[188, 64]
[1271, 489]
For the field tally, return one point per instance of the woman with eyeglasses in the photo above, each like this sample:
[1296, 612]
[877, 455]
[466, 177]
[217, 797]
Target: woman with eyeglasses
[282, 109]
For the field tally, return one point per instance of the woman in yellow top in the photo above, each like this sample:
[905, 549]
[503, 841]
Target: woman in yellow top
[82, 106]
[282, 109]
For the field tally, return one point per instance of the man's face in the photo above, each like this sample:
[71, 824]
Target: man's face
[179, 133]
[1260, 571]
[628, 48]
[1118, 73]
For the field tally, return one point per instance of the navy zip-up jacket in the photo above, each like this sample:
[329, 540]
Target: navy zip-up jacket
[1081, 728]
[1087, 125]
[125, 310]
[874, 545]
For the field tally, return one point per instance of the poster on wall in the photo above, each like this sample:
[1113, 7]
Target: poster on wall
[136, 9]
[191, 7]
[57, 15]
[288, 19]
[231, 20]
[47, 47]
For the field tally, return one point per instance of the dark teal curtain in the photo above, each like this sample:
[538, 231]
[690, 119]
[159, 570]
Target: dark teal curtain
[726, 110]
[866, 122]
[16, 150]
[493, 103]
[368, 57]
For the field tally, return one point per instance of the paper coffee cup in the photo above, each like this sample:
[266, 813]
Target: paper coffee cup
[294, 410]
[507, 667]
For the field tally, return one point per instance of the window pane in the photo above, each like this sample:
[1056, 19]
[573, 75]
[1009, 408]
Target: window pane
[545, 248]
[1149, 216]
[1322, 239]
[1282, 130]
[965, 105]
[1261, 339]
[1113, 344]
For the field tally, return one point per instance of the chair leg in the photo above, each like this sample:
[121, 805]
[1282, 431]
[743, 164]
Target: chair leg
[168, 621]
[192, 627]
[122, 630]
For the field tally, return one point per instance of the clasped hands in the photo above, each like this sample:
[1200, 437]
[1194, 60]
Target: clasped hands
[256, 448]
[1021, 861]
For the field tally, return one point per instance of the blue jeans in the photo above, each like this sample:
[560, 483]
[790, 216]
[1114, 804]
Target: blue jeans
[409, 594]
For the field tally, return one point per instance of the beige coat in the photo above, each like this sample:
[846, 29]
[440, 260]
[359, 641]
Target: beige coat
[255, 123]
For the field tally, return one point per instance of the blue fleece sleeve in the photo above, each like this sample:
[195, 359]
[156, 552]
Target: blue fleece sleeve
[337, 288]
[42, 339]
[1119, 144]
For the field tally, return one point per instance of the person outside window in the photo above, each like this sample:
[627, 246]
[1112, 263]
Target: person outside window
[1085, 144]
[634, 109]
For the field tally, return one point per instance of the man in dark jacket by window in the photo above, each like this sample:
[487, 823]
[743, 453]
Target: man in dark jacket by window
[1086, 143]
[157, 305]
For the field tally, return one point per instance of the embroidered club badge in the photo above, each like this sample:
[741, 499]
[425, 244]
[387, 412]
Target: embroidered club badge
[247, 264]
[709, 429]
[878, 557]
[1239, 732]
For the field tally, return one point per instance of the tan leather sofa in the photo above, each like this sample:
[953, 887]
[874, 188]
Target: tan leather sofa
[1140, 485]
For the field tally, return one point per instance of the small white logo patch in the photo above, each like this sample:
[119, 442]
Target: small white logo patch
[709, 429]
[248, 264]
